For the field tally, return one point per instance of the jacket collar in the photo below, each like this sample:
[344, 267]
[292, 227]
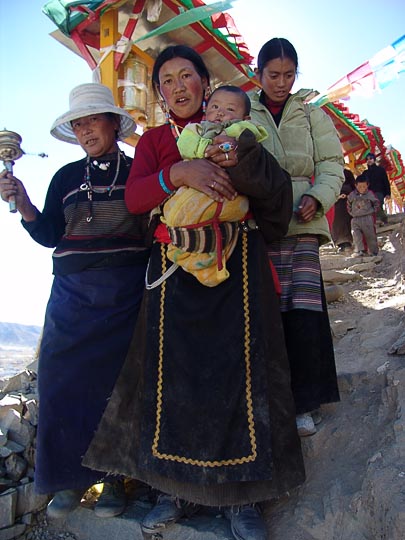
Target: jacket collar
[304, 94]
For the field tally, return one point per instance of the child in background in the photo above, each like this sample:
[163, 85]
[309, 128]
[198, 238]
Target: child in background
[363, 205]
[189, 209]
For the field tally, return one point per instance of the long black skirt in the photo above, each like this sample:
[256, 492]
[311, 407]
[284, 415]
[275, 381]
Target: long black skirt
[88, 327]
[203, 407]
[306, 321]
[312, 358]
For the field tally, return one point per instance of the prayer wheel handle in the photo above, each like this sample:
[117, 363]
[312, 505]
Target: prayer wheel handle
[10, 150]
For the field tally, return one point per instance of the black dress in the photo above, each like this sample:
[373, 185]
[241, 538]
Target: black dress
[203, 407]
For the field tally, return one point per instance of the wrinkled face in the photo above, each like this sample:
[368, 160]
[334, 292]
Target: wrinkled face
[224, 106]
[277, 79]
[181, 87]
[96, 133]
[362, 187]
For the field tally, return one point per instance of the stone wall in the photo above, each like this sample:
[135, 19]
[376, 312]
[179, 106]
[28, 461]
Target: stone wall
[18, 420]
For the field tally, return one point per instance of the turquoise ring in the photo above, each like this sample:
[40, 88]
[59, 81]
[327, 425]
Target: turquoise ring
[226, 147]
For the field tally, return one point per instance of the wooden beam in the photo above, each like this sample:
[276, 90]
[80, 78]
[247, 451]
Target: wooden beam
[108, 38]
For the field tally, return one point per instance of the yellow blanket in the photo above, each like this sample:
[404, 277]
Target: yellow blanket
[189, 206]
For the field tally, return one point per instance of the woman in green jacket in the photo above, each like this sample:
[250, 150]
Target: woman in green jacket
[304, 141]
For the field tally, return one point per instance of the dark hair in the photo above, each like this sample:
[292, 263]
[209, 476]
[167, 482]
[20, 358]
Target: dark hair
[370, 155]
[349, 177]
[111, 116]
[360, 179]
[276, 48]
[234, 90]
[179, 51]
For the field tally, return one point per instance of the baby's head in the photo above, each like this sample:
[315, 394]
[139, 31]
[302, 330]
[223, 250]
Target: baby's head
[361, 185]
[228, 103]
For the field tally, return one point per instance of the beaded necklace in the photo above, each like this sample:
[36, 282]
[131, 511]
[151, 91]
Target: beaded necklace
[87, 185]
[174, 128]
[90, 189]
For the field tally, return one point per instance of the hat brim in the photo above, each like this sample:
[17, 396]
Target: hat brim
[62, 128]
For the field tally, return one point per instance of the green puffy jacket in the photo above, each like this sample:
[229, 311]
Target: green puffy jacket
[307, 145]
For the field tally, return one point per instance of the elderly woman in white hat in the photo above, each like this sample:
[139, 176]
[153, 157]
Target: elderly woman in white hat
[99, 263]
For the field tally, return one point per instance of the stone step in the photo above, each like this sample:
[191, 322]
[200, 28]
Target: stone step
[341, 262]
[205, 525]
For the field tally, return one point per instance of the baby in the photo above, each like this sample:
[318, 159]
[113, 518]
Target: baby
[209, 229]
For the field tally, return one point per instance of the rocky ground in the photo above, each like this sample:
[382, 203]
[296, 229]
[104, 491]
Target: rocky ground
[355, 465]
[355, 488]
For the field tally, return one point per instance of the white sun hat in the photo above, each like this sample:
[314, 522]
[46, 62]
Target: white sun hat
[88, 99]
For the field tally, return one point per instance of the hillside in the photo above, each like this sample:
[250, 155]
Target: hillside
[18, 335]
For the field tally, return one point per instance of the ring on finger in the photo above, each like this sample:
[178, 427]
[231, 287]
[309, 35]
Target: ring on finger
[226, 147]
[212, 185]
[226, 156]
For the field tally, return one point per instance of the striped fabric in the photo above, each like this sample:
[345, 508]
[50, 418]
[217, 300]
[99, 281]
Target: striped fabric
[296, 259]
[110, 217]
[89, 232]
[202, 239]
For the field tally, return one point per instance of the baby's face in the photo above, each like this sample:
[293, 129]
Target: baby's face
[224, 106]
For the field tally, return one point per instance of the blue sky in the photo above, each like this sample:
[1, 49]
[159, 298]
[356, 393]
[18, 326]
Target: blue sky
[38, 73]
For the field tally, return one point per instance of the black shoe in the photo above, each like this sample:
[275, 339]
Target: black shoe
[247, 522]
[112, 501]
[344, 247]
[167, 510]
[64, 502]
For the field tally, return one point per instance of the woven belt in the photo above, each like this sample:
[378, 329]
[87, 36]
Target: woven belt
[202, 239]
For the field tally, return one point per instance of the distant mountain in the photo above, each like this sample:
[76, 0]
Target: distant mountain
[19, 335]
